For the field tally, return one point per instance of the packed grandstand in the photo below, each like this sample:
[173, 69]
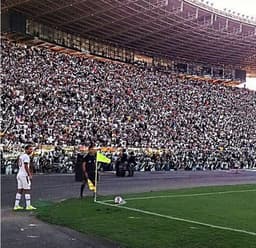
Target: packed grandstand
[59, 99]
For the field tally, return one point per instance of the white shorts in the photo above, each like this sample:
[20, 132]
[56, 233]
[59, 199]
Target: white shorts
[23, 182]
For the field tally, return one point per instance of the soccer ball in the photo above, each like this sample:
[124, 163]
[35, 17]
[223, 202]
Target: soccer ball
[119, 200]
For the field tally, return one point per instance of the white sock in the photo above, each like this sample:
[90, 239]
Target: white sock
[17, 199]
[27, 197]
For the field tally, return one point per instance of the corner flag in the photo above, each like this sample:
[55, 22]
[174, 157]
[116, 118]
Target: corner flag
[99, 158]
[90, 185]
[102, 158]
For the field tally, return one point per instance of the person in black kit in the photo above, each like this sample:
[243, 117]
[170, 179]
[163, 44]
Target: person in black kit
[121, 164]
[131, 164]
[88, 168]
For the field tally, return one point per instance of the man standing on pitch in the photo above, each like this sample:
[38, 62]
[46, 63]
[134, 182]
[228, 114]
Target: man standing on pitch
[24, 178]
[88, 168]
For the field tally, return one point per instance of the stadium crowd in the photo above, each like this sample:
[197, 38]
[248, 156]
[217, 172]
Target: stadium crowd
[59, 99]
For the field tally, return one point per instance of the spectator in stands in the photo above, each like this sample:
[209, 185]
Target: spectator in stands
[78, 101]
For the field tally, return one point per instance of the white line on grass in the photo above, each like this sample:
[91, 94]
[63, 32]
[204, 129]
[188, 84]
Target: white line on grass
[179, 219]
[186, 195]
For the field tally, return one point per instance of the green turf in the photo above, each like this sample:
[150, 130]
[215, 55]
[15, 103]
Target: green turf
[139, 230]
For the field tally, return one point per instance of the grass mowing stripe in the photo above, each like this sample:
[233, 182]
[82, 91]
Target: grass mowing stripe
[178, 219]
[186, 195]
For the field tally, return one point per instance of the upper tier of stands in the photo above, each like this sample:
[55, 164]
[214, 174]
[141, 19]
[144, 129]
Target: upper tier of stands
[54, 98]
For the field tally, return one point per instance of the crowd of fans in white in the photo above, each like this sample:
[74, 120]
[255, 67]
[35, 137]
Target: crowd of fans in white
[55, 98]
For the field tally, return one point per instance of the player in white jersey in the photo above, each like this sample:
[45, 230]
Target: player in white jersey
[24, 178]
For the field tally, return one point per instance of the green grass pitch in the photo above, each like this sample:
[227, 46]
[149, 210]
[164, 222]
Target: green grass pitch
[205, 217]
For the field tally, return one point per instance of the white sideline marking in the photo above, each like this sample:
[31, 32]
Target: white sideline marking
[186, 195]
[179, 219]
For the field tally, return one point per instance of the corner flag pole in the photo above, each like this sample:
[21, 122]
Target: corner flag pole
[96, 176]
[99, 158]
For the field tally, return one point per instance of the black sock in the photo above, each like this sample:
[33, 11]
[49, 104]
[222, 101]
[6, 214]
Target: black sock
[82, 190]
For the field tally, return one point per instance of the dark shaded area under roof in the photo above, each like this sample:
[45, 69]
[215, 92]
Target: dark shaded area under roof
[172, 28]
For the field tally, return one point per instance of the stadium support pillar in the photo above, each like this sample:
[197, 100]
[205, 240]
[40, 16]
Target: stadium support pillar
[172, 65]
[181, 6]
[12, 21]
[227, 24]
[212, 19]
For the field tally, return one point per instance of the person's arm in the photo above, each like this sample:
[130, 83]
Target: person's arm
[28, 170]
[84, 170]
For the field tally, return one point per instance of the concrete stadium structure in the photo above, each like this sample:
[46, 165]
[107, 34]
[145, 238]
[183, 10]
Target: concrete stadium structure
[186, 31]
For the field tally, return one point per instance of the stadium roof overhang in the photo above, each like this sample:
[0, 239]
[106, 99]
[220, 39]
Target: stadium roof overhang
[173, 28]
